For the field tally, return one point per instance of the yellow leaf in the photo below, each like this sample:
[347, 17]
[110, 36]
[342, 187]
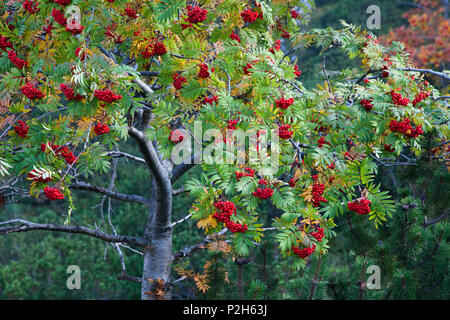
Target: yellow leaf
[208, 223]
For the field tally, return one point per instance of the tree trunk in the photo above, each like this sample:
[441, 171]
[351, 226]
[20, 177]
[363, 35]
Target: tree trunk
[158, 252]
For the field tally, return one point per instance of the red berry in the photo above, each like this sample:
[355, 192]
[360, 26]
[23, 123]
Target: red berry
[263, 193]
[107, 95]
[360, 206]
[203, 72]
[53, 194]
[19, 63]
[249, 16]
[210, 100]
[318, 234]
[305, 252]
[100, 129]
[21, 129]
[236, 227]
[5, 43]
[235, 36]
[294, 14]
[284, 132]
[69, 93]
[30, 6]
[283, 103]
[178, 81]
[196, 14]
[322, 141]
[366, 104]
[176, 136]
[59, 17]
[317, 191]
[31, 92]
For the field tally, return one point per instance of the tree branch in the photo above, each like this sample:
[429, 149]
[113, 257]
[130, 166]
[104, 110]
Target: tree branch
[112, 194]
[436, 73]
[19, 225]
[117, 154]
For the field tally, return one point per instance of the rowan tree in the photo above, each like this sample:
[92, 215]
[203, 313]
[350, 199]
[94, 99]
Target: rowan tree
[81, 78]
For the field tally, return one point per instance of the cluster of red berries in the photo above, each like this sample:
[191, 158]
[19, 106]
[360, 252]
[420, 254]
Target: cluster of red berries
[232, 124]
[53, 194]
[59, 17]
[210, 100]
[178, 81]
[297, 72]
[69, 93]
[405, 128]
[322, 141]
[291, 182]
[62, 151]
[331, 166]
[421, 96]
[249, 172]
[250, 16]
[31, 92]
[384, 69]
[130, 12]
[305, 252]
[389, 148]
[156, 49]
[317, 192]
[5, 43]
[397, 99]
[235, 36]
[366, 104]
[107, 95]
[37, 177]
[236, 227]
[263, 193]
[21, 129]
[276, 47]
[19, 63]
[30, 6]
[360, 206]
[176, 136]
[248, 66]
[74, 28]
[318, 234]
[196, 14]
[48, 28]
[63, 2]
[283, 103]
[285, 34]
[77, 54]
[284, 132]
[204, 72]
[100, 129]
[294, 13]
[225, 209]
